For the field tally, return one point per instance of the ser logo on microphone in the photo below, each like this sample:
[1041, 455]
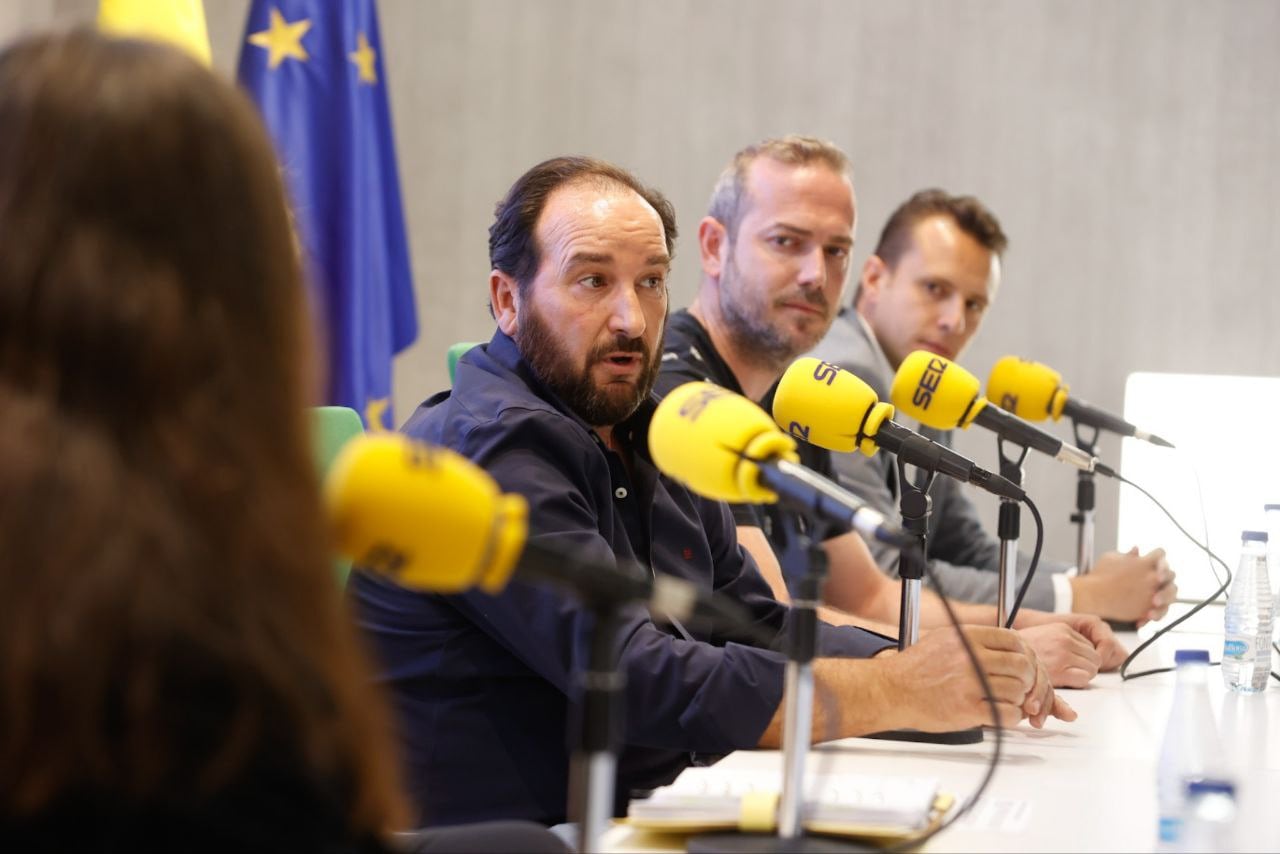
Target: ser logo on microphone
[420, 455]
[1009, 401]
[383, 559]
[825, 372]
[929, 382]
[696, 404]
[799, 431]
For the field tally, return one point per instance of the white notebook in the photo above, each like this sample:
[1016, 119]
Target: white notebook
[708, 796]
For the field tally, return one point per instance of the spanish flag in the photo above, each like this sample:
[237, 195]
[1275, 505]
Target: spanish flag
[178, 21]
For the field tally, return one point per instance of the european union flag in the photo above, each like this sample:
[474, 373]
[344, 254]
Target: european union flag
[315, 69]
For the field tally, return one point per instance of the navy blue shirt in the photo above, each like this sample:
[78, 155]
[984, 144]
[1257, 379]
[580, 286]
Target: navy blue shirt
[485, 686]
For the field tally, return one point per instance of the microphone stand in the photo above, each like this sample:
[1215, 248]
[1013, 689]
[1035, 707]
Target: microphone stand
[1085, 497]
[1083, 517]
[797, 722]
[1008, 527]
[915, 505]
[802, 646]
[594, 764]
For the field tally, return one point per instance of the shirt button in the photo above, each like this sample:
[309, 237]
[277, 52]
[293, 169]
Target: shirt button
[620, 492]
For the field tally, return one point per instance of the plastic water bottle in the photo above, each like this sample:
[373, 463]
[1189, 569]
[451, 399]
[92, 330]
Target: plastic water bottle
[1190, 742]
[1246, 650]
[1211, 816]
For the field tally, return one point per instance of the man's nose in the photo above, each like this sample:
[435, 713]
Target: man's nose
[626, 316]
[952, 316]
[813, 270]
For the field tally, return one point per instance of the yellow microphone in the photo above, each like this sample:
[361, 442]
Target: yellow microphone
[426, 517]
[941, 394]
[712, 441]
[429, 519]
[1035, 391]
[825, 405]
[723, 446]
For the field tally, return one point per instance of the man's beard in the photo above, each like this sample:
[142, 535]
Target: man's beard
[753, 337]
[599, 406]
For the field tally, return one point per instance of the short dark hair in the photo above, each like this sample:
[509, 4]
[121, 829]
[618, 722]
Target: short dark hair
[971, 215]
[513, 244]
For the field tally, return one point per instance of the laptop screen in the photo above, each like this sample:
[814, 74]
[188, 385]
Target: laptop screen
[1227, 430]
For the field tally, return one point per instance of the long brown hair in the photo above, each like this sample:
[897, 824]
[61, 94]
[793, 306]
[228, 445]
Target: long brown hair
[168, 614]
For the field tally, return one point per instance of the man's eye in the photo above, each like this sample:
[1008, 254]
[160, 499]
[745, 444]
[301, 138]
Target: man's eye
[656, 283]
[592, 281]
[838, 251]
[784, 241]
[932, 288]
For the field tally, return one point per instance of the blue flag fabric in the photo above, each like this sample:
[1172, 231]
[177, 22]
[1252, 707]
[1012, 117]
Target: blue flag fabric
[315, 69]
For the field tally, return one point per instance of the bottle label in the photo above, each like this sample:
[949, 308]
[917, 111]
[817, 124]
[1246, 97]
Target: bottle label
[1237, 649]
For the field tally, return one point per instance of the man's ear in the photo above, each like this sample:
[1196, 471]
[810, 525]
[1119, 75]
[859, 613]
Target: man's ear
[713, 243]
[875, 273]
[504, 299]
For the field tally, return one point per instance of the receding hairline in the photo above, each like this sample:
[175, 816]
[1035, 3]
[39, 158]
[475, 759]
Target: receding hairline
[795, 151]
[747, 198]
[607, 185]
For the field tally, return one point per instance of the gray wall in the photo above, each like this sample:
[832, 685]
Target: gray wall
[1129, 149]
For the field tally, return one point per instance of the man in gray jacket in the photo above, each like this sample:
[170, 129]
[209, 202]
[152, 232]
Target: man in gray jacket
[929, 283]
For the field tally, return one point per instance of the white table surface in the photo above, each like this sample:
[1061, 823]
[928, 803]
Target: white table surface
[1083, 786]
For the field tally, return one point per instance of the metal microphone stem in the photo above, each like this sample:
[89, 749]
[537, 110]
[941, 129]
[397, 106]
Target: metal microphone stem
[1009, 528]
[914, 505]
[1086, 489]
[802, 645]
[595, 764]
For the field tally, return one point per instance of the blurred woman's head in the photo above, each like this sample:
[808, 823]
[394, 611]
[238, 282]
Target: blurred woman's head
[168, 617]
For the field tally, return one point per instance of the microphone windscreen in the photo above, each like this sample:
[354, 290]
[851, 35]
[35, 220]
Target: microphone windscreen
[936, 391]
[707, 438]
[823, 404]
[428, 518]
[1029, 390]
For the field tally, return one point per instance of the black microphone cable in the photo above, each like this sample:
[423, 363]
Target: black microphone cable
[1035, 560]
[915, 843]
[1125, 675]
[1204, 521]
[1204, 526]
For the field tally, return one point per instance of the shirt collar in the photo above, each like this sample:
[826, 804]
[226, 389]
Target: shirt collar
[632, 431]
[701, 348]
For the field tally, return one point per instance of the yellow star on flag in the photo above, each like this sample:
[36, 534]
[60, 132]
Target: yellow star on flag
[375, 410]
[365, 58]
[283, 40]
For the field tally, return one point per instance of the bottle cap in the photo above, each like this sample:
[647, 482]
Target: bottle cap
[1253, 536]
[1267, 508]
[1191, 656]
[1206, 787]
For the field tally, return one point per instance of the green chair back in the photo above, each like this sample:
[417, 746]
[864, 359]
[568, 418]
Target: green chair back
[332, 427]
[455, 353]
